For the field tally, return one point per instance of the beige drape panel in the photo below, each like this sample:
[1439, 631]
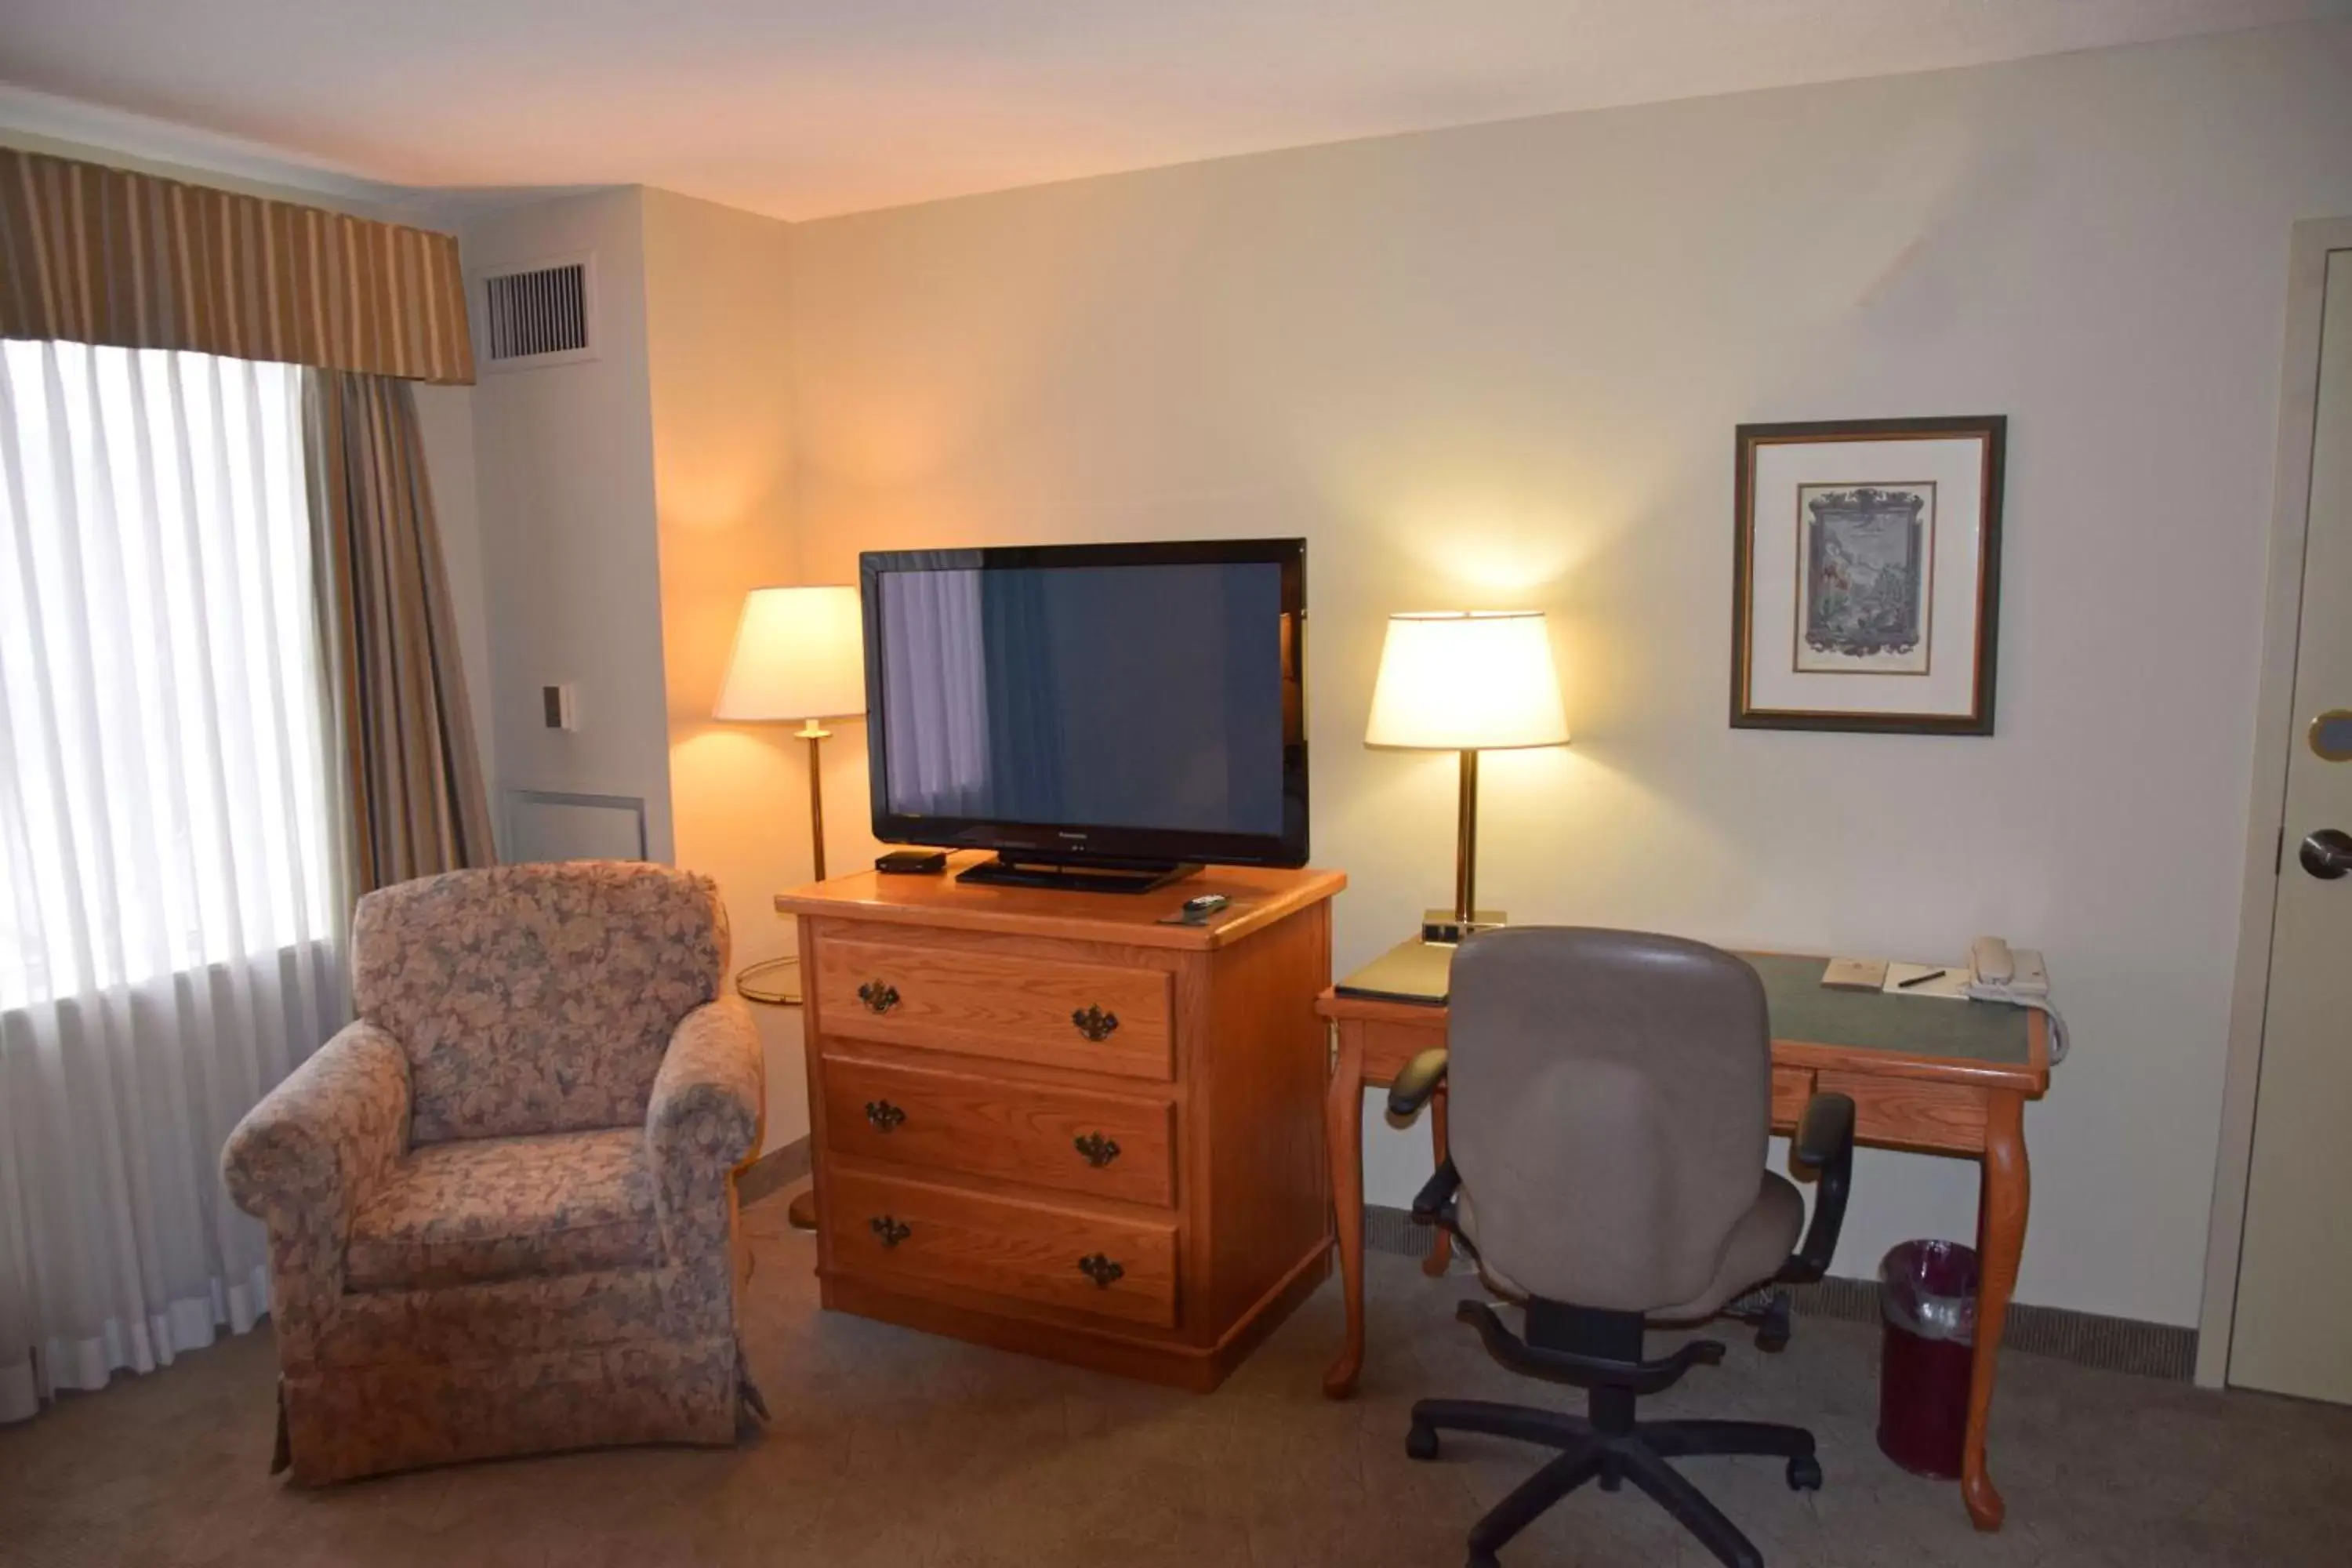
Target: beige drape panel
[94, 255]
[414, 785]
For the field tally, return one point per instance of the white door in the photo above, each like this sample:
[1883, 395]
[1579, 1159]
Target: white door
[2293, 1331]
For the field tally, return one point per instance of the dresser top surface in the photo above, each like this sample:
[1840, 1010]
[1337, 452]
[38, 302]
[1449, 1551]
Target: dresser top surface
[1260, 898]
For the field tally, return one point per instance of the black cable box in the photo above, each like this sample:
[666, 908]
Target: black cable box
[912, 862]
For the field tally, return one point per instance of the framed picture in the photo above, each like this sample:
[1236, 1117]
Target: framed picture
[1866, 575]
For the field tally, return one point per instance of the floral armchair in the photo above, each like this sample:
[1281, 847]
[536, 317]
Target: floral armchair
[501, 1203]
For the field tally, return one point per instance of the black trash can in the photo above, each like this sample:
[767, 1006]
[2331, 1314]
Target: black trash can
[1928, 1294]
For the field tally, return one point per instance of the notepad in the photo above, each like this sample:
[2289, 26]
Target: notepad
[1854, 974]
[1951, 985]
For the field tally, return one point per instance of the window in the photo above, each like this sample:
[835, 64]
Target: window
[164, 796]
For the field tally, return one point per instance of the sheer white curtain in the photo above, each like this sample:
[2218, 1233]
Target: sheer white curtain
[170, 859]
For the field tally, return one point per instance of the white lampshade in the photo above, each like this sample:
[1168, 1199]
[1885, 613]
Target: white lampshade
[1467, 681]
[800, 653]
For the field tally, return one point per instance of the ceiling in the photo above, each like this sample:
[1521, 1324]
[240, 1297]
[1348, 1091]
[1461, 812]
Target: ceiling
[806, 108]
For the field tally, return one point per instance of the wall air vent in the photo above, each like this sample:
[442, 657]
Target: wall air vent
[542, 314]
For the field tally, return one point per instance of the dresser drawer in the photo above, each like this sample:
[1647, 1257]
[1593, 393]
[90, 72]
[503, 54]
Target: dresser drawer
[1056, 1013]
[886, 1229]
[1106, 1145]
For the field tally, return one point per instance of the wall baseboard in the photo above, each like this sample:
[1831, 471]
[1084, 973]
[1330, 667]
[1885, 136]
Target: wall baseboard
[2086, 1339]
[778, 1168]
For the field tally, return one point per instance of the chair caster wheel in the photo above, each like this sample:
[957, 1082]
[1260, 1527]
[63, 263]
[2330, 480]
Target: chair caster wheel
[1420, 1442]
[1804, 1473]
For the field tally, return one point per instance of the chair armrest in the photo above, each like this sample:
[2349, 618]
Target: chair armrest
[306, 1157]
[1415, 1084]
[1434, 1204]
[705, 1119]
[1823, 1142]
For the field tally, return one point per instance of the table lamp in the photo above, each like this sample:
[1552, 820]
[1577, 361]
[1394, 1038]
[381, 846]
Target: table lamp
[1466, 681]
[800, 654]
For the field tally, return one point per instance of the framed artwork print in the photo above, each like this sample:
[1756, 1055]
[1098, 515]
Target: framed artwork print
[1866, 575]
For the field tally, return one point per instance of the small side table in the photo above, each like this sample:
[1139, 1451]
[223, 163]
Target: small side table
[776, 983]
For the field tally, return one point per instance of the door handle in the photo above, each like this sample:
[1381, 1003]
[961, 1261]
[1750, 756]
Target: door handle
[2327, 854]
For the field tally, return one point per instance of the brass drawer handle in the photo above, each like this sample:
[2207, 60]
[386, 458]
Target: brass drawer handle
[1099, 1269]
[879, 996]
[884, 1115]
[1094, 1023]
[891, 1231]
[1099, 1150]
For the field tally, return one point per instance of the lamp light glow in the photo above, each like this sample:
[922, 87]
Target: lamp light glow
[1466, 681]
[800, 653]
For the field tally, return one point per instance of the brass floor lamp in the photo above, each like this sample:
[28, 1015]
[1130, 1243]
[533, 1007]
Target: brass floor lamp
[1466, 681]
[800, 655]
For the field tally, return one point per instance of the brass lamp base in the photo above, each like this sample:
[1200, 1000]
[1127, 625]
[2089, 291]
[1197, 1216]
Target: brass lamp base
[1465, 918]
[1446, 926]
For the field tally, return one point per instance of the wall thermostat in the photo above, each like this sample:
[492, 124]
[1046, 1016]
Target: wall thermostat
[560, 705]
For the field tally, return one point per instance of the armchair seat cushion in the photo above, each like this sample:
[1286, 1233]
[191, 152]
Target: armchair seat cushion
[478, 1210]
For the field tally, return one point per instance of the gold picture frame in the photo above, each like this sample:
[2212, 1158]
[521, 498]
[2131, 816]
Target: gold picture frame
[1862, 561]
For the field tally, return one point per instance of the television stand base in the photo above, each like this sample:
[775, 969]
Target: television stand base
[1077, 876]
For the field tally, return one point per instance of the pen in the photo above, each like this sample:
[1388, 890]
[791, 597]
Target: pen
[1921, 979]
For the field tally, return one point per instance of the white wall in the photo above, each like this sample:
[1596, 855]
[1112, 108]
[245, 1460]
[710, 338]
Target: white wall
[718, 348]
[1501, 366]
[570, 573]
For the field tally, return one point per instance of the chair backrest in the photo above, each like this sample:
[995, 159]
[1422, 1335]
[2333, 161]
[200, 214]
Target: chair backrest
[535, 998]
[1610, 1097]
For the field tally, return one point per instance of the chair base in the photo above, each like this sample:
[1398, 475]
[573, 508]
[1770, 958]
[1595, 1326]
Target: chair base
[1639, 1453]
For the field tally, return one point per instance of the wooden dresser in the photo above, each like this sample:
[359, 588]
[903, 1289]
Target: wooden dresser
[1048, 1122]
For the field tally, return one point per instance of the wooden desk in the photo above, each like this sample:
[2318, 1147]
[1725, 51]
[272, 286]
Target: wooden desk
[1925, 1075]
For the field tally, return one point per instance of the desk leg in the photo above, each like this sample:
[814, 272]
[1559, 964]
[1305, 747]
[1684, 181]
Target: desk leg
[1440, 1252]
[1343, 1127]
[2000, 1241]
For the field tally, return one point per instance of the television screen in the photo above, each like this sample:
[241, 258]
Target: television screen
[1131, 702]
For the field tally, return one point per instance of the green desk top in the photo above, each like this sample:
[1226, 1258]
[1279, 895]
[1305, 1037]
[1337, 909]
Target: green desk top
[1988, 1032]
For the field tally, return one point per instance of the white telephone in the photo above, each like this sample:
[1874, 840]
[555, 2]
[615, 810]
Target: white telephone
[1997, 972]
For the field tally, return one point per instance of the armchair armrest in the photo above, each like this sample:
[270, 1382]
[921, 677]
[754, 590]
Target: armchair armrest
[1415, 1085]
[705, 1118]
[1824, 1142]
[305, 1158]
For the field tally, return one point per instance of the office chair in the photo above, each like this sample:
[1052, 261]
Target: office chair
[1609, 1099]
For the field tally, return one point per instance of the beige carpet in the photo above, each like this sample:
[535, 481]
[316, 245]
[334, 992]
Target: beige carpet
[889, 1448]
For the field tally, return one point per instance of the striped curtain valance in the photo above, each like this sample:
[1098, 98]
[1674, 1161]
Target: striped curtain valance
[94, 255]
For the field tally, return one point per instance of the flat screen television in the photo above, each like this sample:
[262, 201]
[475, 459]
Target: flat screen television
[1105, 716]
